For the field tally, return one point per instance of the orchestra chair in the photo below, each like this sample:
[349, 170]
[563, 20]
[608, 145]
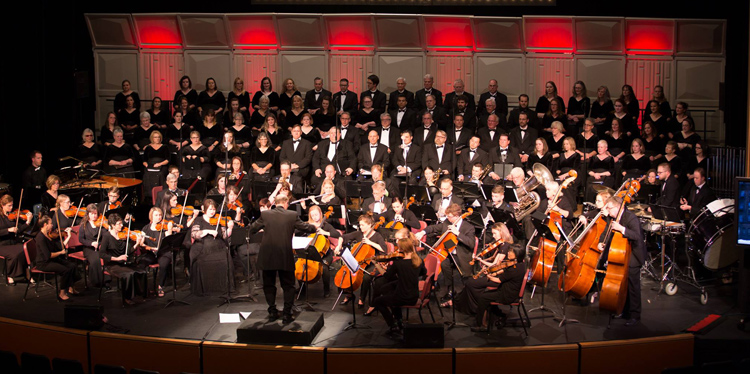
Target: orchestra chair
[5, 270]
[155, 267]
[34, 363]
[54, 342]
[432, 264]
[29, 249]
[154, 192]
[163, 355]
[390, 247]
[9, 363]
[424, 299]
[74, 243]
[518, 304]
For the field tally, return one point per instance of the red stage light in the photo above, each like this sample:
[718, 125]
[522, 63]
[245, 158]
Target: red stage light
[350, 33]
[552, 35]
[650, 37]
[254, 32]
[449, 34]
[158, 33]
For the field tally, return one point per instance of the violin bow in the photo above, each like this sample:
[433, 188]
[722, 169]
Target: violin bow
[18, 216]
[59, 229]
[182, 213]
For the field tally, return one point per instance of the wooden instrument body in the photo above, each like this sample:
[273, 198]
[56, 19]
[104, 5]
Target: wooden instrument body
[395, 225]
[615, 285]
[311, 271]
[543, 260]
[345, 278]
[581, 269]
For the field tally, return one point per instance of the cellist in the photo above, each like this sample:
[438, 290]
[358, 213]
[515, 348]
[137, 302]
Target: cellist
[315, 217]
[398, 213]
[583, 219]
[367, 235]
[630, 228]
[462, 253]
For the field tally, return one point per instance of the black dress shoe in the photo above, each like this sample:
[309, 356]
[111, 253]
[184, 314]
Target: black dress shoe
[479, 329]
[346, 301]
[632, 322]
[288, 318]
[448, 296]
[367, 314]
[394, 332]
[273, 315]
[326, 294]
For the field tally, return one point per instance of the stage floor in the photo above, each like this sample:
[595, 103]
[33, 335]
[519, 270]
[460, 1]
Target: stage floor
[662, 315]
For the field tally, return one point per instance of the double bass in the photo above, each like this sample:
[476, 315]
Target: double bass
[544, 257]
[615, 284]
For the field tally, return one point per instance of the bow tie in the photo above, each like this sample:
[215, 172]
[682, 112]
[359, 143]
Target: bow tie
[334, 143]
[295, 141]
[503, 149]
[344, 92]
[458, 130]
[473, 150]
[386, 129]
[493, 94]
[318, 92]
[447, 197]
[402, 110]
[428, 92]
[438, 147]
[373, 146]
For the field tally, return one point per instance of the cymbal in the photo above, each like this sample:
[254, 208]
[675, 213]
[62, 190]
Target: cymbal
[639, 206]
[643, 214]
[600, 187]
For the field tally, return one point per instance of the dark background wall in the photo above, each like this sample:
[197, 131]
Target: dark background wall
[46, 94]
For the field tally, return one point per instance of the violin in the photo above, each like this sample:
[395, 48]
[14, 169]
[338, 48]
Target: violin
[164, 225]
[14, 214]
[237, 205]
[75, 212]
[132, 234]
[386, 257]
[101, 221]
[189, 210]
[55, 234]
[487, 250]
[223, 221]
[116, 205]
[496, 269]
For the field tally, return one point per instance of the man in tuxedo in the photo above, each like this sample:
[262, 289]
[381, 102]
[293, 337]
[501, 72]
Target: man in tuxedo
[475, 176]
[439, 155]
[298, 151]
[34, 178]
[403, 117]
[171, 187]
[501, 101]
[378, 203]
[468, 157]
[349, 132]
[698, 196]
[345, 100]
[504, 154]
[373, 153]
[407, 158]
[421, 96]
[490, 109]
[458, 134]
[523, 107]
[670, 188]
[389, 136]
[523, 137]
[378, 97]
[314, 97]
[400, 90]
[458, 90]
[426, 133]
[445, 198]
[470, 119]
[276, 255]
[438, 113]
[338, 182]
[295, 182]
[330, 151]
[490, 135]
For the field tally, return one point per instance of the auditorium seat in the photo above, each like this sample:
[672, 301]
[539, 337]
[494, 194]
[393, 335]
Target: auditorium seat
[53, 342]
[219, 358]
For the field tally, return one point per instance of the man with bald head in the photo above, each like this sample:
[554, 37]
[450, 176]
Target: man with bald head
[451, 99]
[501, 101]
[420, 98]
[490, 106]
[400, 90]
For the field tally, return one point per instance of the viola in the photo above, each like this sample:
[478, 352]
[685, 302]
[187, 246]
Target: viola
[496, 269]
[237, 205]
[14, 214]
[116, 205]
[487, 250]
[55, 234]
[189, 210]
[75, 212]
[164, 225]
[223, 221]
[101, 221]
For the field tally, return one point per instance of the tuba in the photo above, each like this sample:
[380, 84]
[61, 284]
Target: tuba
[486, 171]
[528, 200]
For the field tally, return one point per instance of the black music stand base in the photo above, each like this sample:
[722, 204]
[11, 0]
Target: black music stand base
[452, 323]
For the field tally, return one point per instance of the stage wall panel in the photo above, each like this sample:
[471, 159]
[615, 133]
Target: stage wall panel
[354, 67]
[544, 68]
[508, 69]
[644, 74]
[599, 70]
[210, 64]
[160, 74]
[252, 68]
[391, 66]
[448, 68]
[303, 67]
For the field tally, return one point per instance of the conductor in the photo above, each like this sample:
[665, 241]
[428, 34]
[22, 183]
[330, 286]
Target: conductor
[276, 254]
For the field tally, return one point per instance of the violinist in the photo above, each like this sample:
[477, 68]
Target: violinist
[509, 281]
[399, 213]
[64, 216]
[171, 202]
[235, 208]
[117, 246]
[378, 203]
[402, 287]
[10, 243]
[156, 230]
[328, 190]
[461, 254]
[368, 236]
[316, 218]
[467, 300]
[113, 201]
[90, 235]
[209, 254]
[276, 254]
[49, 197]
[630, 228]
[171, 188]
[50, 257]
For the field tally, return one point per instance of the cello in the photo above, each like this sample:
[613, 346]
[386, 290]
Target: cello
[544, 257]
[345, 279]
[446, 243]
[615, 284]
[311, 271]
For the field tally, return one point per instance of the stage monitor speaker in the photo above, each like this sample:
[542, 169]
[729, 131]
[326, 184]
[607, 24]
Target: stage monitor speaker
[84, 317]
[426, 335]
[257, 329]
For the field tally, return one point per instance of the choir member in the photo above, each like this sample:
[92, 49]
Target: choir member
[579, 106]
[119, 156]
[420, 97]
[142, 133]
[601, 169]
[451, 99]
[601, 108]
[652, 141]
[438, 113]
[635, 164]
[400, 90]
[569, 160]
[701, 159]
[243, 135]
[11, 246]
[543, 104]
[468, 157]
[314, 97]
[630, 104]
[212, 98]
[367, 116]
[673, 159]
[105, 136]
[686, 138]
[522, 137]
[121, 98]
[191, 117]
[261, 113]
[243, 96]
[263, 158]
[674, 125]
[293, 114]
[344, 100]
[404, 117]
[271, 128]
[389, 135]
[556, 113]
[490, 134]
[286, 96]
[407, 158]
[227, 150]
[458, 133]
[625, 118]
[195, 158]
[372, 154]
[298, 151]
[186, 90]
[586, 141]
[333, 151]
[128, 116]
[232, 110]
[209, 255]
[504, 154]
[541, 154]
[426, 133]
[439, 155]
[159, 117]
[325, 116]
[266, 90]
[155, 162]
[617, 142]
[178, 133]
[377, 97]
[523, 107]
[500, 100]
[309, 132]
[660, 99]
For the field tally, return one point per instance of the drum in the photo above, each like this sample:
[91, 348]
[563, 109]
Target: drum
[673, 228]
[712, 237]
[651, 225]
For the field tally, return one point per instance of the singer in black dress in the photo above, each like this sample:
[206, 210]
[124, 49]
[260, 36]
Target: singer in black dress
[601, 108]
[89, 152]
[325, 117]
[212, 98]
[541, 155]
[635, 164]
[119, 157]
[159, 117]
[186, 89]
[178, 133]
[195, 158]
[155, 162]
[263, 159]
[601, 170]
[266, 89]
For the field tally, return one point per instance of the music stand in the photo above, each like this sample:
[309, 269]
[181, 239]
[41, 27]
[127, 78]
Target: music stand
[420, 193]
[357, 189]
[502, 169]
[467, 190]
[309, 253]
[565, 239]
[426, 212]
[198, 191]
[506, 217]
[172, 243]
[263, 189]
